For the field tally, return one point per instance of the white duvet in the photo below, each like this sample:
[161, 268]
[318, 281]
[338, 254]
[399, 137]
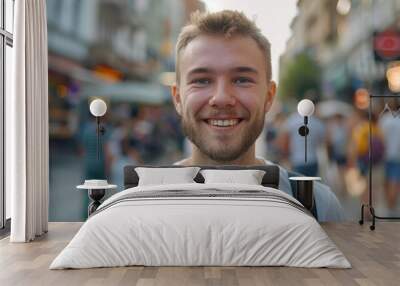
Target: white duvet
[183, 231]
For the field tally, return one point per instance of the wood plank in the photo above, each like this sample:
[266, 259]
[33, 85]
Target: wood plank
[374, 255]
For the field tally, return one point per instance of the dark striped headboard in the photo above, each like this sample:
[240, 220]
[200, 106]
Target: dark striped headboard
[270, 179]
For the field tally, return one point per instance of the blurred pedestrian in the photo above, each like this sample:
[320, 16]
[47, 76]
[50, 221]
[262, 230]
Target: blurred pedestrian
[390, 124]
[129, 156]
[359, 147]
[337, 138]
[294, 145]
[120, 131]
[272, 130]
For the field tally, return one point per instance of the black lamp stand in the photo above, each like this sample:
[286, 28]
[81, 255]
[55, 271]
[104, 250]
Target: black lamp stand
[96, 195]
[100, 130]
[370, 205]
[303, 131]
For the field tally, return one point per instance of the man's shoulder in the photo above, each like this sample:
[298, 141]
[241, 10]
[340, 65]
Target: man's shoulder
[187, 162]
[328, 206]
[183, 162]
[178, 162]
[282, 170]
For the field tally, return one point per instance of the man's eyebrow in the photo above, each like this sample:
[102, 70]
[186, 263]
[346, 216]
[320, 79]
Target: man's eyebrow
[242, 69]
[245, 69]
[199, 70]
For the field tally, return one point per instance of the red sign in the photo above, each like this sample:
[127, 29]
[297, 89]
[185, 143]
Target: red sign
[387, 45]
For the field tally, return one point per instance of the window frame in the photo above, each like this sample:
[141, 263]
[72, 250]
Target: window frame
[6, 39]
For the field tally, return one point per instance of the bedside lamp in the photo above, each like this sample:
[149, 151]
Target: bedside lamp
[97, 188]
[98, 108]
[305, 108]
[304, 185]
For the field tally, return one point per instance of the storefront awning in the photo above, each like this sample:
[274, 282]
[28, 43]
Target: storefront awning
[147, 93]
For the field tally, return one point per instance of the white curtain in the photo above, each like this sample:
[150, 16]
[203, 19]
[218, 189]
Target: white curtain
[27, 149]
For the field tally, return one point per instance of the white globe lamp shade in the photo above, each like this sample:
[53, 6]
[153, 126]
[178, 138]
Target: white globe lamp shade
[305, 107]
[98, 107]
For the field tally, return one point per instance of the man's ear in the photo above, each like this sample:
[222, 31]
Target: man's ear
[176, 98]
[270, 96]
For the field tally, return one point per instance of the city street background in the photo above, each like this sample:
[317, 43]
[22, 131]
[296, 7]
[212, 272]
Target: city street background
[333, 52]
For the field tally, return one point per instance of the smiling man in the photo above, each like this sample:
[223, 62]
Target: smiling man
[224, 87]
[223, 91]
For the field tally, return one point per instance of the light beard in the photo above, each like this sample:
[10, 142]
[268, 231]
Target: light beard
[224, 152]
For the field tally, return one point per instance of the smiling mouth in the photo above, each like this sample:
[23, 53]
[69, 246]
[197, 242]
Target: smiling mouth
[223, 123]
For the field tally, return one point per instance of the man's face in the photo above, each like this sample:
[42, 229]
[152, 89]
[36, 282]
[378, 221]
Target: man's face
[223, 95]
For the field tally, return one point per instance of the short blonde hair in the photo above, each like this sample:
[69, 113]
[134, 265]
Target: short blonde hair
[226, 23]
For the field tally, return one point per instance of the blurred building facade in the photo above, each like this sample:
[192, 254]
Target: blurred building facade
[340, 36]
[118, 47]
[115, 50]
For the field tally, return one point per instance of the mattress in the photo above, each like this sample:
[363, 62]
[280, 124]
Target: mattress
[201, 225]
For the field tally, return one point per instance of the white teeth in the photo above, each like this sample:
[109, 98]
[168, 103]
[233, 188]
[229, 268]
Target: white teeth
[229, 122]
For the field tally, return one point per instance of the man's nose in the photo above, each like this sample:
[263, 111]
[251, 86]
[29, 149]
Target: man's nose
[223, 95]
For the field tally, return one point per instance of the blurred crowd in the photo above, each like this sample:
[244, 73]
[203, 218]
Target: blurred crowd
[337, 144]
[338, 147]
[133, 135]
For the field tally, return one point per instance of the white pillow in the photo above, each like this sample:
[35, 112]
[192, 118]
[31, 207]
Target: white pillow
[162, 176]
[248, 177]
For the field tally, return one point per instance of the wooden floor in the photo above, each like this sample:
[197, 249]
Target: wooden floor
[374, 255]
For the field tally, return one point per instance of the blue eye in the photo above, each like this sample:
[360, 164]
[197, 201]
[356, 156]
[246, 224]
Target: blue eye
[241, 80]
[201, 81]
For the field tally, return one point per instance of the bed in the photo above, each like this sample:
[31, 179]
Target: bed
[201, 224]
